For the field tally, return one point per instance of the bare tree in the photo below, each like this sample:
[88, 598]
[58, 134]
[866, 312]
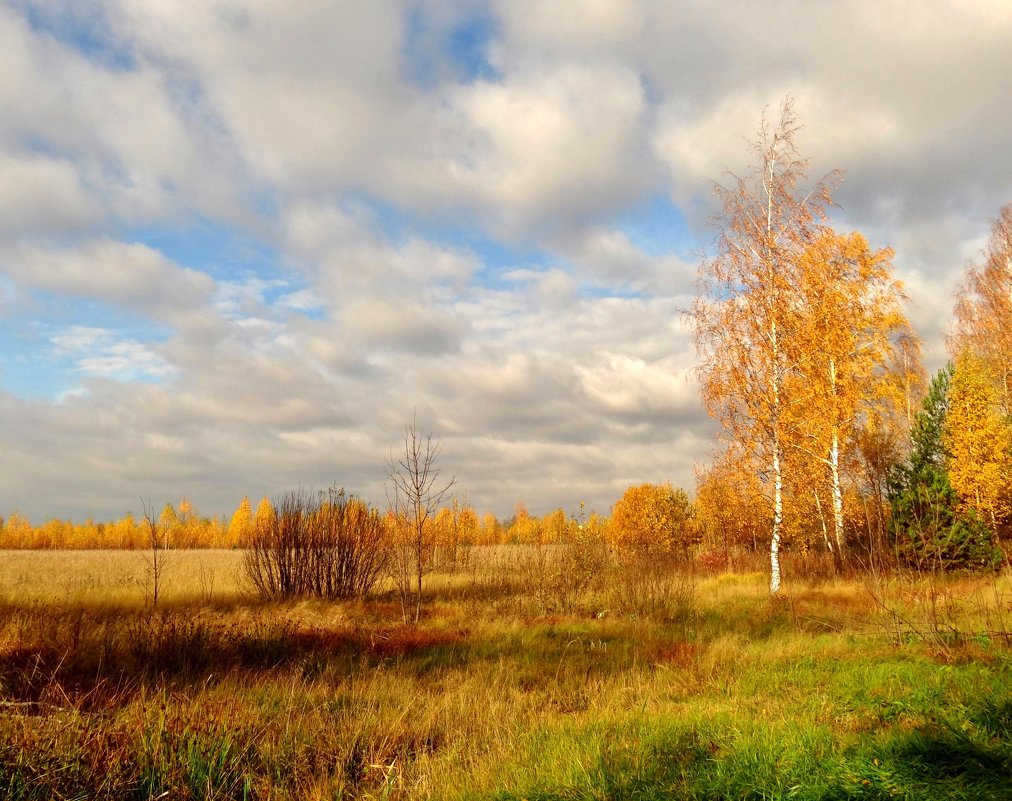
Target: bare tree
[415, 493]
[157, 543]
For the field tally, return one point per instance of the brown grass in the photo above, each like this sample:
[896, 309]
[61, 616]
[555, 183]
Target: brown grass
[214, 694]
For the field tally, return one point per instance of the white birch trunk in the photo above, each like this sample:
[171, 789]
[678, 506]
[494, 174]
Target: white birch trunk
[834, 469]
[778, 517]
[778, 482]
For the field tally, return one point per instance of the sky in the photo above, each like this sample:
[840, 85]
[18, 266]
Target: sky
[242, 244]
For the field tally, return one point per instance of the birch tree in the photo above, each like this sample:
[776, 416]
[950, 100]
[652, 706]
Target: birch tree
[743, 314]
[984, 309]
[978, 439]
[847, 327]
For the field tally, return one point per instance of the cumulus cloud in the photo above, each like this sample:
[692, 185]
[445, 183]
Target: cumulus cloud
[131, 275]
[101, 353]
[42, 195]
[549, 144]
[437, 199]
[133, 140]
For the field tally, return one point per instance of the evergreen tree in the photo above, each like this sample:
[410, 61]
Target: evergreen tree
[927, 528]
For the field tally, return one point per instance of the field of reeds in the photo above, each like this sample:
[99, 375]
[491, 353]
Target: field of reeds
[524, 679]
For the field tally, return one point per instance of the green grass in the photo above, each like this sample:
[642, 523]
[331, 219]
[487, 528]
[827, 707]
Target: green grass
[839, 690]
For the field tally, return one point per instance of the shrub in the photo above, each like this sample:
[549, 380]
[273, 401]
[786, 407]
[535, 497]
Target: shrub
[330, 546]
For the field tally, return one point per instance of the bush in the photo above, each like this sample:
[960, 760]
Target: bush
[330, 546]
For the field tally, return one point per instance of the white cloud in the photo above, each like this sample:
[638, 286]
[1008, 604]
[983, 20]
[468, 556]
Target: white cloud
[134, 143]
[549, 351]
[629, 387]
[308, 92]
[132, 276]
[300, 300]
[544, 148]
[101, 353]
[42, 195]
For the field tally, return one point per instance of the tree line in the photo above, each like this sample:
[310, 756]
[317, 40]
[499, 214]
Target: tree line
[453, 528]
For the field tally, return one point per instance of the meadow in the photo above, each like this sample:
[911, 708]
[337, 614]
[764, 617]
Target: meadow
[524, 679]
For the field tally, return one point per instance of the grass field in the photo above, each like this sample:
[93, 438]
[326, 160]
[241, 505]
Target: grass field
[513, 686]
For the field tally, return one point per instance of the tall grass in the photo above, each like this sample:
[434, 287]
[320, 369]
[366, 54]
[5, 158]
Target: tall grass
[510, 687]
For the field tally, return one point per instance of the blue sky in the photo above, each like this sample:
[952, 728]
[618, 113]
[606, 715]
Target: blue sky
[242, 243]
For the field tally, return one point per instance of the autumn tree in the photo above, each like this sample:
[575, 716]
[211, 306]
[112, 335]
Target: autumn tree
[652, 521]
[241, 524]
[17, 531]
[983, 322]
[847, 324]
[168, 524]
[743, 312]
[456, 528]
[490, 531]
[555, 526]
[265, 514]
[523, 527]
[978, 439]
[731, 506]
[126, 533]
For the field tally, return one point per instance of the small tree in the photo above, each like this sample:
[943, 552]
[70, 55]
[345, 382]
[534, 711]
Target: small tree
[241, 524]
[927, 528]
[652, 521]
[157, 541]
[415, 492]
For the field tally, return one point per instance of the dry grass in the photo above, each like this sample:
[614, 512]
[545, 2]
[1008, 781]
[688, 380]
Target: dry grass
[118, 578]
[510, 687]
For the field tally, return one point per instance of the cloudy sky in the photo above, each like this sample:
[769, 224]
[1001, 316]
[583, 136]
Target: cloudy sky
[242, 243]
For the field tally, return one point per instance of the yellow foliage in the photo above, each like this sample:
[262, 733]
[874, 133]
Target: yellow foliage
[265, 514]
[525, 529]
[979, 441]
[241, 524]
[732, 507]
[490, 531]
[984, 309]
[652, 519]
